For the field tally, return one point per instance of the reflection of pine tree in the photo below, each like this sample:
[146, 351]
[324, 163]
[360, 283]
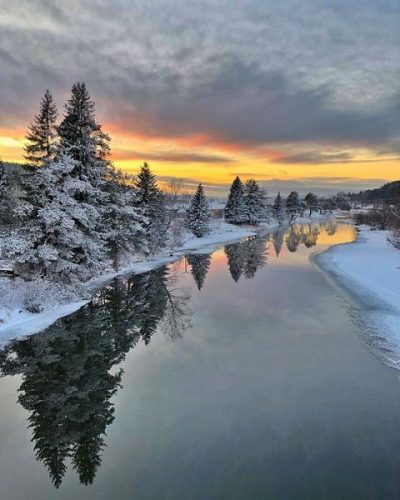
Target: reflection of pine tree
[309, 235]
[246, 257]
[236, 260]
[293, 238]
[199, 265]
[67, 385]
[331, 227]
[277, 240]
[256, 256]
[150, 302]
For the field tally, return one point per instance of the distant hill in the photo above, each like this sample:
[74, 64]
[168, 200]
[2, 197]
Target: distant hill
[389, 193]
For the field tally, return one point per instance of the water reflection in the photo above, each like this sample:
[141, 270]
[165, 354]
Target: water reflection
[247, 257]
[199, 266]
[67, 370]
[67, 385]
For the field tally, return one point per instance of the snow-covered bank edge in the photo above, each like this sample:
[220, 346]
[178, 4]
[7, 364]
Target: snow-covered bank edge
[20, 323]
[369, 270]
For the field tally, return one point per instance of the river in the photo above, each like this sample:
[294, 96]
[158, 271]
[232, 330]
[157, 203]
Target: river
[240, 374]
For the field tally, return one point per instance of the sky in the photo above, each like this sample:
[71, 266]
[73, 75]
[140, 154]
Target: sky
[299, 95]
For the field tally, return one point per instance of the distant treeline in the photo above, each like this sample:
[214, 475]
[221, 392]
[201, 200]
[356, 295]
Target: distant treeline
[389, 193]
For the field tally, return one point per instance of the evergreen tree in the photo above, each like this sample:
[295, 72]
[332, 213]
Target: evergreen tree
[81, 137]
[42, 134]
[235, 209]
[12, 204]
[255, 202]
[151, 201]
[311, 202]
[125, 220]
[330, 205]
[278, 209]
[293, 205]
[198, 214]
[62, 238]
[199, 265]
[146, 186]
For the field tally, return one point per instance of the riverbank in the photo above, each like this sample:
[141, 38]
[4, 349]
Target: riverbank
[16, 321]
[369, 268]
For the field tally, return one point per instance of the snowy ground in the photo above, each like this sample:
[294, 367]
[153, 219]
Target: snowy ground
[370, 269]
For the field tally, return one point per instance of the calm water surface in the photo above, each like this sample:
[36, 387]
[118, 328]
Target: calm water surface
[236, 375]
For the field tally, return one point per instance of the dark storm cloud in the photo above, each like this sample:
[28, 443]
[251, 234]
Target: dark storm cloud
[262, 72]
[243, 104]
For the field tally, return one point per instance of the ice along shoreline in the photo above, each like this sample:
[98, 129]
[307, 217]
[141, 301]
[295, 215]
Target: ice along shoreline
[369, 269]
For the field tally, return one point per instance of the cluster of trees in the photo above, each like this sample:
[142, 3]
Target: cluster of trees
[385, 210]
[74, 213]
[248, 204]
[387, 194]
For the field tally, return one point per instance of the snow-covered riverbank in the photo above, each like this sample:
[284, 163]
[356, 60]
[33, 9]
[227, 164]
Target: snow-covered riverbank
[370, 269]
[16, 321]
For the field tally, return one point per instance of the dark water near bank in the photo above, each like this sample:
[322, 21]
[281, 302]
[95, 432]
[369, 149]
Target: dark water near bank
[236, 375]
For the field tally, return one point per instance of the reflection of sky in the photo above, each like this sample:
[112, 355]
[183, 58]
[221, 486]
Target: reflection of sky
[285, 92]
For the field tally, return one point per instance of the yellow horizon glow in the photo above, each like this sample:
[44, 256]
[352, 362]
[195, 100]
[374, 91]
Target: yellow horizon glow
[130, 150]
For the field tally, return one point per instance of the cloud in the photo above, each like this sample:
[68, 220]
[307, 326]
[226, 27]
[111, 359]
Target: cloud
[265, 72]
[171, 156]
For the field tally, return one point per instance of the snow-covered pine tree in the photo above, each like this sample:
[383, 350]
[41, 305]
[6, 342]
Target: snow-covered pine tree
[311, 202]
[198, 214]
[293, 205]
[235, 209]
[278, 209]
[82, 138]
[146, 186]
[11, 195]
[42, 134]
[255, 202]
[61, 239]
[125, 222]
[151, 201]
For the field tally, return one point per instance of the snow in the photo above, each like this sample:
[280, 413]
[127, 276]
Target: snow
[369, 268]
[20, 323]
